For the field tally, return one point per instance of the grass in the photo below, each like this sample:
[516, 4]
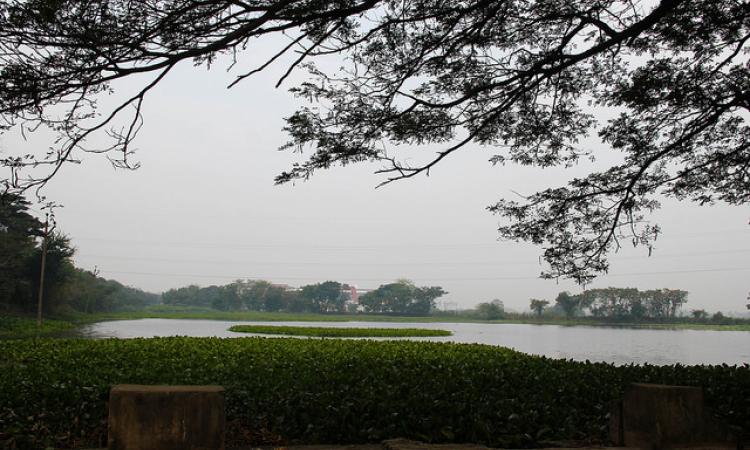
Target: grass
[13, 327]
[338, 332]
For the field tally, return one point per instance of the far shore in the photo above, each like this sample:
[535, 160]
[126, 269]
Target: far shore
[65, 324]
[257, 316]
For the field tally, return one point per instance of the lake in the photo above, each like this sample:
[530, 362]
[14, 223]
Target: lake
[610, 344]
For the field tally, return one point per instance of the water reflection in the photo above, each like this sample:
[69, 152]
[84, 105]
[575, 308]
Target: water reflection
[610, 344]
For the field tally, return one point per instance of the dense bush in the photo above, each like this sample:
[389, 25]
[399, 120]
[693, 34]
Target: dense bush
[338, 332]
[54, 392]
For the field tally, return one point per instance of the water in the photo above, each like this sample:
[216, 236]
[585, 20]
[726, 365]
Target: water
[610, 344]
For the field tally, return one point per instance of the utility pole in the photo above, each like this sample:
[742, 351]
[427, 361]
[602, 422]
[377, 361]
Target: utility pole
[41, 274]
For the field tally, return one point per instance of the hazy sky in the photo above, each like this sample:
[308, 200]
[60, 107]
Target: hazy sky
[203, 209]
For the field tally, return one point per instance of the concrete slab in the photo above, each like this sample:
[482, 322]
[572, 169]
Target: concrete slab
[405, 444]
[166, 418]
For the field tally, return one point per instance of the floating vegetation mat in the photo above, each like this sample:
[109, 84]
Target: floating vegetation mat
[338, 332]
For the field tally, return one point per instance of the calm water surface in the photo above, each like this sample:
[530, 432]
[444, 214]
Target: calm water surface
[617, 345]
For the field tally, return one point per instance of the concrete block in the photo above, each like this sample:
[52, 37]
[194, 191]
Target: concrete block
[166, 418]
[406, 444]
[615, 423]
[658, 416]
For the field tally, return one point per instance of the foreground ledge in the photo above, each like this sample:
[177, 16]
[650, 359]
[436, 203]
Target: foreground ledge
[166, 418]
[653, 416]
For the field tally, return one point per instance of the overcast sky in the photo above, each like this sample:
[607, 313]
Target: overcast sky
[203, 209]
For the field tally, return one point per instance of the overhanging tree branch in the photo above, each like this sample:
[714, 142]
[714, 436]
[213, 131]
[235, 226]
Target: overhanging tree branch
[523, 77]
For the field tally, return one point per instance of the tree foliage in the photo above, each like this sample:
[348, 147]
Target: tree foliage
[256, 295]
[325, 297]
[493, 310]
[529, 79]
[401, 297]
[570, 304]
[630, 303]
[538, 306]
[87, 292]
[699, 314]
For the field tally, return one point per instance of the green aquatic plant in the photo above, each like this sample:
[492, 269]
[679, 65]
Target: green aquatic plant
[338, 332]
[53, 393]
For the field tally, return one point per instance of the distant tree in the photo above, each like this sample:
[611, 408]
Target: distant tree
[699, 314]
[637, 309]
[273, 300]
[184, 296]
[493, 310]
[613, 302]
[657, 303]
[325, 297]
[676, 299]
[225, 298]
[568, 303]
[632, 304]
[538, 306]
[211, 296]
[253, 293]
[718, 317]
[293, 302]
[86, 292]
[424, 300]
[401, 297]
[388, 298]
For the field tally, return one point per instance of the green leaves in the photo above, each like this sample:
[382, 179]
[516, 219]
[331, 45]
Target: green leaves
[54, 392]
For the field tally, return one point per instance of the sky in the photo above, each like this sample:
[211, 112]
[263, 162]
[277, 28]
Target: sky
[203, 209]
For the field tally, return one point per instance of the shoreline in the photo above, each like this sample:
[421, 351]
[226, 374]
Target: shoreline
[22, 327]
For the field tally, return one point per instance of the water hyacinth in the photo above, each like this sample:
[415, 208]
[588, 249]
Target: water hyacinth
[338, 332]
[54, 392]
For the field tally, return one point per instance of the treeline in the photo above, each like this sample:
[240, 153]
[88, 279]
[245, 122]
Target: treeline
[400, 297]
[66, 287]
[618, 305]
[261, 295]
[622, 303]
[627, 305]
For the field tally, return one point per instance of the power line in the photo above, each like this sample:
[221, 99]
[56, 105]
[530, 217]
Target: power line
[363, 247]
[277, 246]
[384, 264]
[257, 277]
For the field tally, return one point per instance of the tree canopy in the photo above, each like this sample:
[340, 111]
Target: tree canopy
[401, 297]
[526, 78]
[538, 306]
[493, 310]
[625, 304]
